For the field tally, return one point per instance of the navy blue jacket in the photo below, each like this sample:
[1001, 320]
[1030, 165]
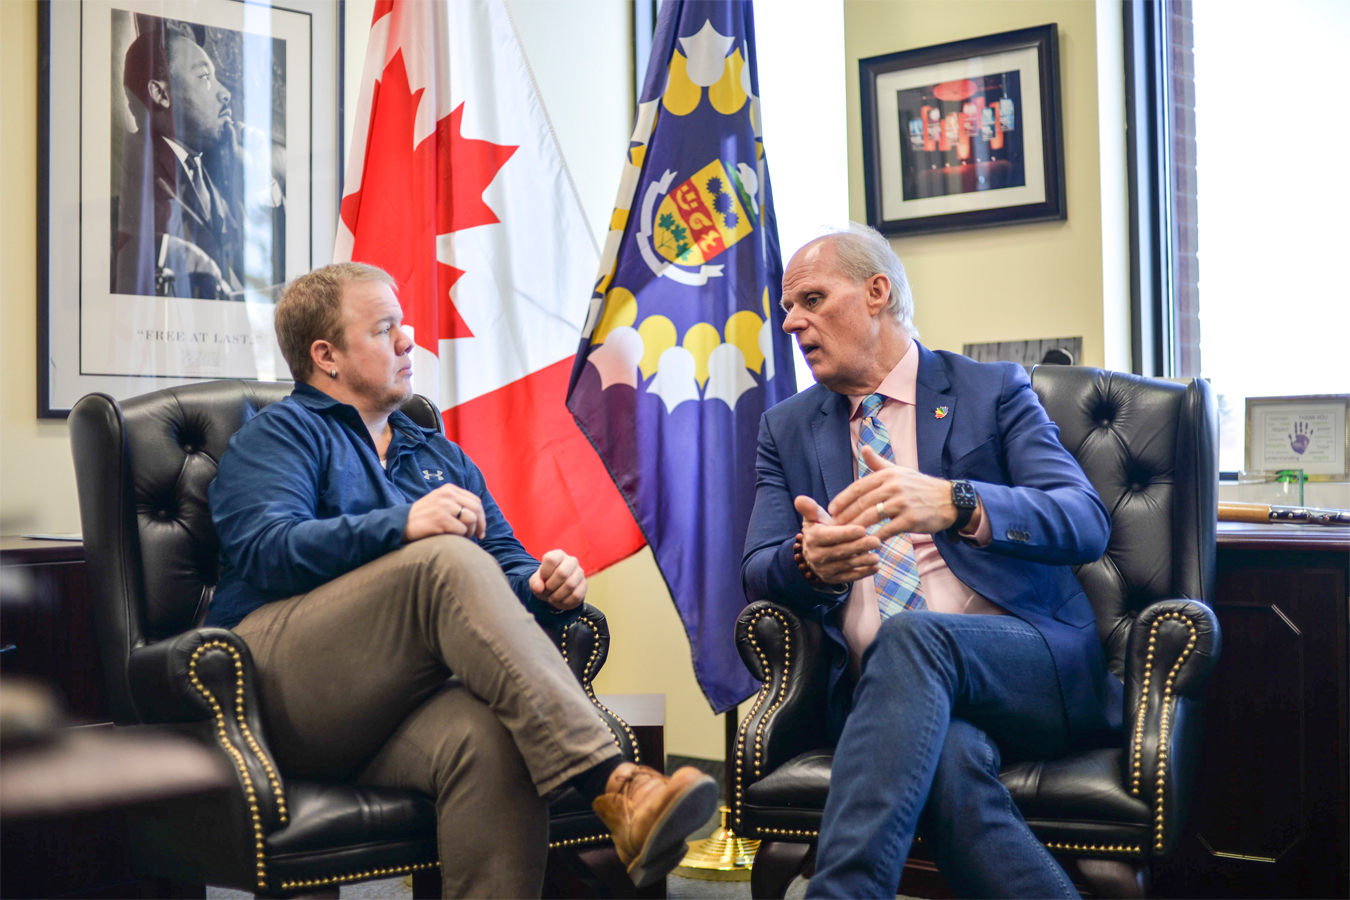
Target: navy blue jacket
[1043, 512]
[301, 498]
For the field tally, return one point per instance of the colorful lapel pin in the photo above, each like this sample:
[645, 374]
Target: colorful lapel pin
[940, 412]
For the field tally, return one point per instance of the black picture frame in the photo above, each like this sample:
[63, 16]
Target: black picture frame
[932, 168]
[68, 200]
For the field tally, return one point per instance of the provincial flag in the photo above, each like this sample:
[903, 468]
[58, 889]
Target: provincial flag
[455, 185]
[683, 348]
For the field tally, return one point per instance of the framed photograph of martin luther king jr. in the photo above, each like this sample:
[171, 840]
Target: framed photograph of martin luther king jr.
[189, 160]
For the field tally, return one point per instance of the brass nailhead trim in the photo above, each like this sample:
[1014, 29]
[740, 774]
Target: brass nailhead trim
[1165, 721]
[219, 714]
[788, 832]
[385, 872]
[576, 842]
[1052, 845]
[590, 692]
[764, 692]
[1094, 848]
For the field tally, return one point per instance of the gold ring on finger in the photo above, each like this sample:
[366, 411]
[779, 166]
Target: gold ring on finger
[881, 513]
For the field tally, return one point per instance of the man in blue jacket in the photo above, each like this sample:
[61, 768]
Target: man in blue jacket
[387, 606]
[920, 506]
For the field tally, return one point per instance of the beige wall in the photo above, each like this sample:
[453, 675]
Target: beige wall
[1052, 279]
[37, 480]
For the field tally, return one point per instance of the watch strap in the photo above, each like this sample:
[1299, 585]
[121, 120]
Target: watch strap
[966, 501]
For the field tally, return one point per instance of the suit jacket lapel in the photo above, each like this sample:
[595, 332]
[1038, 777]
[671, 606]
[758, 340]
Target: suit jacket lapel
[930, 396]
[833, 445]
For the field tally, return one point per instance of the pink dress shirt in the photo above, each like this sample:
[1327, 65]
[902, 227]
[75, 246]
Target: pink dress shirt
[942, 591]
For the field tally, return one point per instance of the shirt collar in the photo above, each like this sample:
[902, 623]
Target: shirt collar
[178, 150]
[311, 397]
[899, 383]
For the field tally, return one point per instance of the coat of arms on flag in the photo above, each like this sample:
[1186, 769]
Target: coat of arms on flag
[683, 349]
[702, 216]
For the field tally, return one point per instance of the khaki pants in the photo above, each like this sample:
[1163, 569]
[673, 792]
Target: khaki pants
[355, 684]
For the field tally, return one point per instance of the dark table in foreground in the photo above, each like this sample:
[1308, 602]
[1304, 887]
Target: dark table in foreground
[62, 801]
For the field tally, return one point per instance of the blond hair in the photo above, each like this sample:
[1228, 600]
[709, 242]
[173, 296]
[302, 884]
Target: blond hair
[311, 310]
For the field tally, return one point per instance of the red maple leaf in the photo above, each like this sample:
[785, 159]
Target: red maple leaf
[410, 195]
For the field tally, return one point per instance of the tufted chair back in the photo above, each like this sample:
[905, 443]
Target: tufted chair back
[1150, 448]
[143, 468]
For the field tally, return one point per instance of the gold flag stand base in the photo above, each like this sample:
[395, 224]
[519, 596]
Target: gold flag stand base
[721, 857]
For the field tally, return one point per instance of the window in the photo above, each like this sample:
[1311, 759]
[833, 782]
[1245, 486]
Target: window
[1238, 202]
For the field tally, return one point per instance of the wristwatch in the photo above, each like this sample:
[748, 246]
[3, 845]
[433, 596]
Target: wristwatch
[965, 500]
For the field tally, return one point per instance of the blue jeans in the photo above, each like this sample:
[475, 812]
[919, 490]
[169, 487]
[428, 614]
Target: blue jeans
[941, 698]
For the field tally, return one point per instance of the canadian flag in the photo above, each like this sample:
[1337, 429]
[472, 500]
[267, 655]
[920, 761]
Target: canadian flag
[455, 186]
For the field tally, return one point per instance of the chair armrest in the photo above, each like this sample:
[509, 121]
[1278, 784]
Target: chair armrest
[788, 717]
[1173, 647]
[584, 644]
[206, 677]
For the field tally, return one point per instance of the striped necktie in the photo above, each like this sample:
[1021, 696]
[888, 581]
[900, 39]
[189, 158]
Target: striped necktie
[897, 578]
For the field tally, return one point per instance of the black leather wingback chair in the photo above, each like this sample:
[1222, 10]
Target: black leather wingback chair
[143, 468]
[1149, 448]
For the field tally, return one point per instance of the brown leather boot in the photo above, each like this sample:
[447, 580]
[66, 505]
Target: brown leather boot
[650, 815]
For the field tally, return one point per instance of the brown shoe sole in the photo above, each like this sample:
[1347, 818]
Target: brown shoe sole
[665, 845]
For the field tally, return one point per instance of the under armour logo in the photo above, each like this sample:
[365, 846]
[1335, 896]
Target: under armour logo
[436, 475]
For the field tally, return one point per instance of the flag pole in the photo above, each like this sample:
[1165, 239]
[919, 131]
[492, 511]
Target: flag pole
[723, 856]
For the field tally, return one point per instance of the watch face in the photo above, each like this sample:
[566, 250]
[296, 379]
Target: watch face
[963, 494]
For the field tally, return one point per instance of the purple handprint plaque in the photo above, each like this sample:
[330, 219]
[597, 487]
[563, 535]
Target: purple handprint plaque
[1309, 433]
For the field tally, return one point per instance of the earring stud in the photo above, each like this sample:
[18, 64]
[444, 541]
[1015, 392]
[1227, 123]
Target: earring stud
[333, 373]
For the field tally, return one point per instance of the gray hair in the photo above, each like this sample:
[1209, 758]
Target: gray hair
[861, 252]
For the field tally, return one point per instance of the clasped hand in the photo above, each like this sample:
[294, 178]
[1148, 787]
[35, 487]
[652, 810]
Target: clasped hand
[450, 509]
[836, 543]
[559, 581]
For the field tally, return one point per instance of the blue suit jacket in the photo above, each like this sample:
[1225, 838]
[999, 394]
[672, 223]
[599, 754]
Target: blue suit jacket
[1044, 515]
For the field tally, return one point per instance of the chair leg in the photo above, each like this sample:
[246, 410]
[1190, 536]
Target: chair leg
[776, 864]
[426, 884]
[1126, 879]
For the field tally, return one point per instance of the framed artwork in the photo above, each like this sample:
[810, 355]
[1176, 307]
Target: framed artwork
[189, 165]
[1311, 433]
[964, 135]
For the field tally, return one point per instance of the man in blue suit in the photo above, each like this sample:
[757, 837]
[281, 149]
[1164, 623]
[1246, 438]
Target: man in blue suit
[920, 506]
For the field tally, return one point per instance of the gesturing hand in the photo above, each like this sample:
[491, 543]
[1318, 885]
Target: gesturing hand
[559, 581]
[450, 509]
[838, 554]
[911, 500]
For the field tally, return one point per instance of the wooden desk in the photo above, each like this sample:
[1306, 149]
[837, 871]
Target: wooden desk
[1270, 812]
[53, 632]
[646, 715]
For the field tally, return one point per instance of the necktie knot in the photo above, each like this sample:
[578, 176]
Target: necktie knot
[871, 405]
